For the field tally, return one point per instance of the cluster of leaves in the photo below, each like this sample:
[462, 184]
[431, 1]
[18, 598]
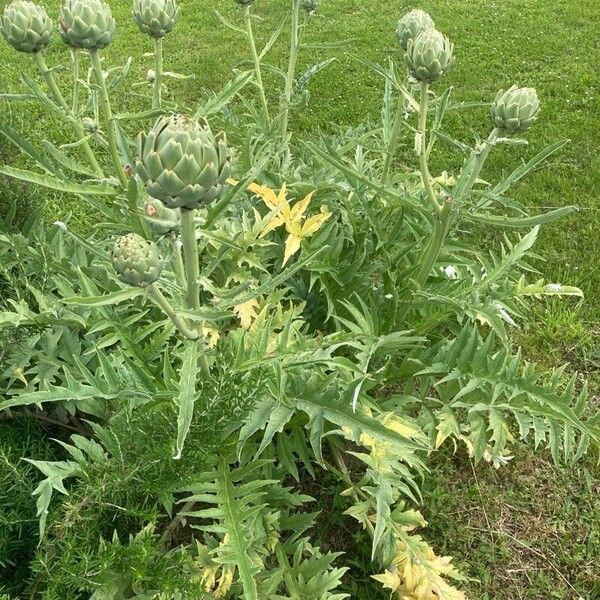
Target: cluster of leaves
[328, 353]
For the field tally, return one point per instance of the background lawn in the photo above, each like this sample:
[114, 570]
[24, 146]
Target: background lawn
[527, 531]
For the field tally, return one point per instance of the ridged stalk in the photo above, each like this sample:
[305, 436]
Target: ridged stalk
[158, 72]
[425, 175]
[256, 59]
[113, 148]
[155, 294]
[60, 100]
[291, 72]
[192, 274]
[75, 53]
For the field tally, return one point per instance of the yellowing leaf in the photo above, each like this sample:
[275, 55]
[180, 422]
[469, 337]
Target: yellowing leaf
[292, 245]
[389, 580]
[211, 335]
[313, 224]
[246, 312]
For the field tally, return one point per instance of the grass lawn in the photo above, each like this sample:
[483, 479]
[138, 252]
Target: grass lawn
[528, 531]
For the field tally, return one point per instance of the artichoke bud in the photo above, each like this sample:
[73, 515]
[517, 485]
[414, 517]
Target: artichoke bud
[182, 163]
[411, 25]
[515, 110]
[310, 5]
[87, 24]
[155, 18]
[26, 26]
[136, 260]
[429, 56]
[162, 220]
[90, 125]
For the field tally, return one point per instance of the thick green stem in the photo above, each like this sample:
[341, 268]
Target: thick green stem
[75, 53]
[107, 110]
[60, 100]
[464, 188]
[425, 176]
[256, 59]
[155, 294]
[442, 227]
[158, 72]
[191, 258]
[178, 263]
[393, 141]
[291, 73]
[192, 273]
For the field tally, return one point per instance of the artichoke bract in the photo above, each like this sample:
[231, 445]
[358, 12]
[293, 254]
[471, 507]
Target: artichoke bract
[26, 26]
[515, 110]
[429, 56]
[411, 25]
[182, 163]
[162, 220]
[156, 18]
[137, 261]
[87, 24]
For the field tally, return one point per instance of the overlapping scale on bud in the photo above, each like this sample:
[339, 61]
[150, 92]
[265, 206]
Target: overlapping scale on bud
[87, 24]
[137, 261]
[429, 56]
[156, 18]
[162, 220]
[182, 163]
[26, 26]
[516, 109]
[411, 25]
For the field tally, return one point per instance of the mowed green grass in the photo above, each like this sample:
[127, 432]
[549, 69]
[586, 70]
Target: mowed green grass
[553, 45]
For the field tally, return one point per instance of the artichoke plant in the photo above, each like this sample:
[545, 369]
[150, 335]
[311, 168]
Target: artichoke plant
[429, 56]
[516, 109]
[26, 26]
[156, 18]
[87, 24]
[411, 25]
[136, 260]
[182, 163]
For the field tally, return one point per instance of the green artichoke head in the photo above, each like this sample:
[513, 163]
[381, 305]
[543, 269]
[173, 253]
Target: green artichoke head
[182, 163]
[516, 109]
[87, 24]
[310, 5]
[156, 18]
[411, 25]
[429, 56]
[136, 260]
[26, 26]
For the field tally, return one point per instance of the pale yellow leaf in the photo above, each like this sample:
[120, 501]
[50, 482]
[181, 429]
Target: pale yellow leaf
[389, 580]
[246, 312]
[292, 245]
[300, 207]
[313, 224]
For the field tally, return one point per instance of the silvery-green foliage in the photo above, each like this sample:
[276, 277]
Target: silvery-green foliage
[288, 373]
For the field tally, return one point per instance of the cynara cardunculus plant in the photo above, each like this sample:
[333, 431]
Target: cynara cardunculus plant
[26, 26]
[156, 18]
